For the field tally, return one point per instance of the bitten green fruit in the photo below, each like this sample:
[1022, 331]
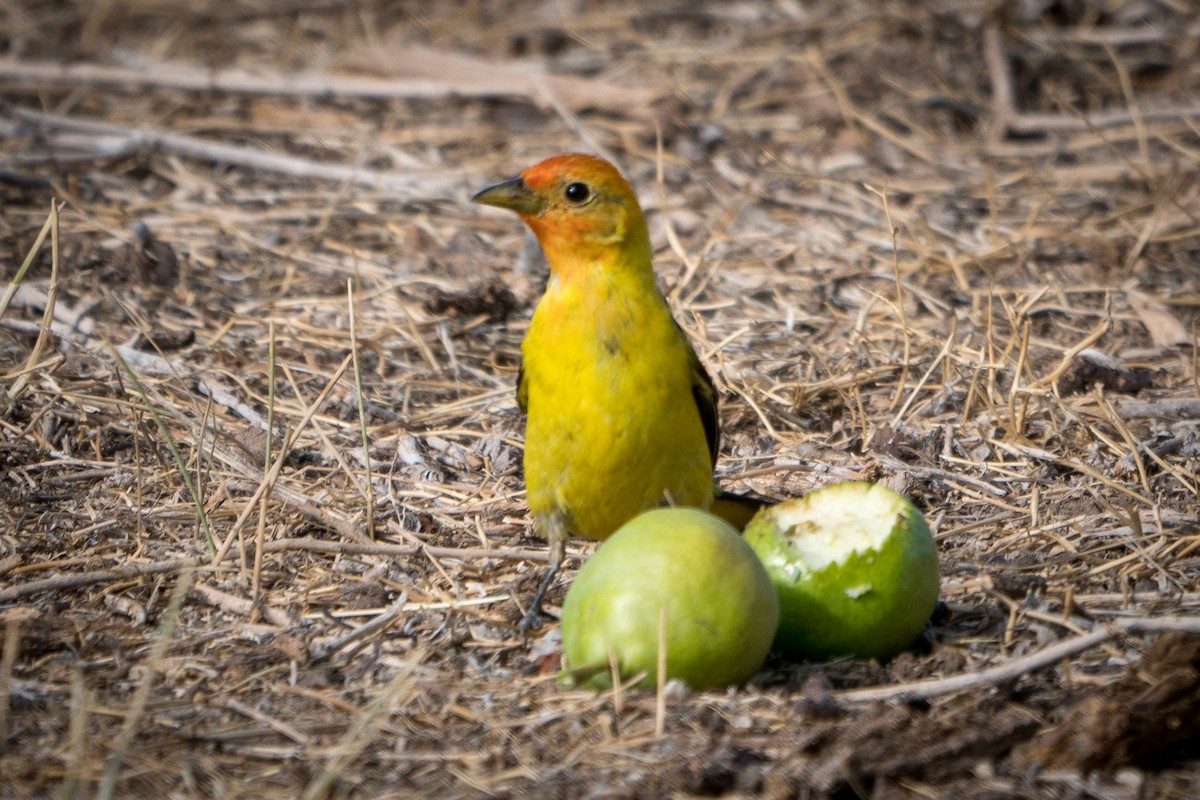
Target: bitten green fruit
[856, 569]
[720, 608]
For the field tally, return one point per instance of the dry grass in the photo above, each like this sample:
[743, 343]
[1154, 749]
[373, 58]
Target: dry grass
[262, 531]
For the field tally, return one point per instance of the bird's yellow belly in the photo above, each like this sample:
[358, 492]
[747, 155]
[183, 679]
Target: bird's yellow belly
[613, 428]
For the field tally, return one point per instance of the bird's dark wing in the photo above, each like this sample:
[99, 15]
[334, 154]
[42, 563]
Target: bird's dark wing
[736, 509]
[705, 394]
[522, 390]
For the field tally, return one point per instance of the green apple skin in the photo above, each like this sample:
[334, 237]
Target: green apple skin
[721, 609]
[871, 602]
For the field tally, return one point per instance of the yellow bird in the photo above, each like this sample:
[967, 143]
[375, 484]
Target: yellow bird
[622, 416]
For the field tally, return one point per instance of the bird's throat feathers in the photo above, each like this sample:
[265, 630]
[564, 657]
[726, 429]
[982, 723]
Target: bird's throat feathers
[578, 248]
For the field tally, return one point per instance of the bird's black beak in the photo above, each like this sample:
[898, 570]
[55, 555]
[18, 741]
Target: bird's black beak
[513, 195]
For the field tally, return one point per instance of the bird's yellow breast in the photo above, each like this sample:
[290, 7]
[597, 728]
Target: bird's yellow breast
[613, 426]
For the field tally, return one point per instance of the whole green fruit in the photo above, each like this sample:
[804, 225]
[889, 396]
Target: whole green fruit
[720, 608]
[856, 569]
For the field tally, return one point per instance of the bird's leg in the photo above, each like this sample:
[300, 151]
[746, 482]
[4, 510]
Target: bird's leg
[556, 533]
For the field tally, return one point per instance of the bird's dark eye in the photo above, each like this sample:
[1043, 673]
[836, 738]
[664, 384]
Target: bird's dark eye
[577, 192]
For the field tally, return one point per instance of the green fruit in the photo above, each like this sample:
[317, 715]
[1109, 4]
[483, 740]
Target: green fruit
[856, 569]
[720, 608]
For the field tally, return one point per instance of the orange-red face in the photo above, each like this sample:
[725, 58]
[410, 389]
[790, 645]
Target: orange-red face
[573, 201]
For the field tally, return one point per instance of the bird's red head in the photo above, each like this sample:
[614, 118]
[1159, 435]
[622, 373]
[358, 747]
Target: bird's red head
[580, 207]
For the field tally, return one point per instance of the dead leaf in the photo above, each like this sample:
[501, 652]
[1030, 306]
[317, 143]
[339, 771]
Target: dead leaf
[1165, 328]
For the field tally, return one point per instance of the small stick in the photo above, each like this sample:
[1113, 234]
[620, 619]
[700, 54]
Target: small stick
[1004, 106]
[126, 571]
[369, 489]
[1166, 409]
[473, 78]
[240, 605]
[188, 480]
[8, 658]
[141, 695]
[35, 355]
[270, 478]
[614, 669]
[74, 580]
[77, 741]
[379, 622]
[1047, 122]
[365, 727]
[15, 283]
[260, 533]
[1103, 326]
[1005, 673]
[660, 696]
[277, 725]
[1008, 119]
[405, 185]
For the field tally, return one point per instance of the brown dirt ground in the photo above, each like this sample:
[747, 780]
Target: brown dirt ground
[1022, 364]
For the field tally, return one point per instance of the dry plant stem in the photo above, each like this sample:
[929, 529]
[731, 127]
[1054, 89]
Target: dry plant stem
[545, 93]
[938, 474]
[900, 313]
[236, 459]
[618, 693]
[1017, 416]
[204, 458]
[15, 283]
[852, 114]
[1007, 119]
[1166, 409]
[1004, 105]
[268, 721]
[473, 78]
[1101, 328]
[12, 641]
[260, 533]
[228, 399]
[269, 480]
[1004, 673]
[377, 624]
[76, 737]
[912, 396]
[403, 185]
[170, 441]
[1078, 466]
[241, 606]
[369, 489]
[1134, 451]
[35, 354]
[80, 579]
[660, 668]
[381, 549]
[75, 580]
[292, 498]
[365, 727]
[1135, 117]
[141, 695]
[1115, 35]
[1035, 122]
[437, 565]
